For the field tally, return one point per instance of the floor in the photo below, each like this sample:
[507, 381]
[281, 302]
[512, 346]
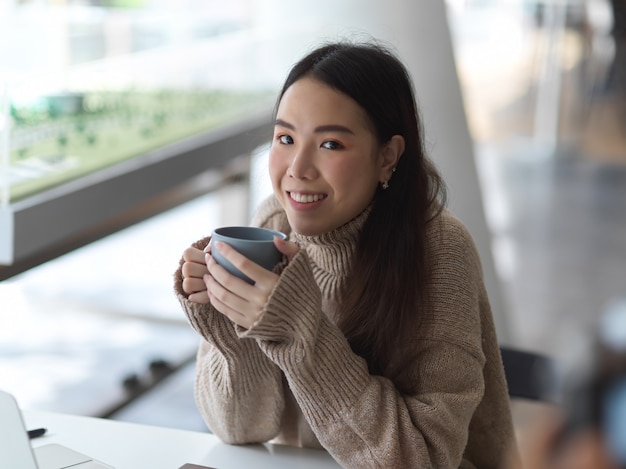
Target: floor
[74, 330]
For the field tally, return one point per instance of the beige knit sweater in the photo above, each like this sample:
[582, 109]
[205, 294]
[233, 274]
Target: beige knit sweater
[292, 377]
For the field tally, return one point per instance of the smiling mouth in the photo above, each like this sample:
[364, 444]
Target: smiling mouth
[306, 198]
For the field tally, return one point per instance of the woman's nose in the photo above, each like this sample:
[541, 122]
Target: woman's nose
[303, 165]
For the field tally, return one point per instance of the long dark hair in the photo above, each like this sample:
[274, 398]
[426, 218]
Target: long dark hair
[388, 283]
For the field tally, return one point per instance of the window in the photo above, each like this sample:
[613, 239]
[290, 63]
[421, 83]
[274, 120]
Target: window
[104, 110]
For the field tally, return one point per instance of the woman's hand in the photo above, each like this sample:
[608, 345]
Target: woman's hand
[194, 269]
[241, 302]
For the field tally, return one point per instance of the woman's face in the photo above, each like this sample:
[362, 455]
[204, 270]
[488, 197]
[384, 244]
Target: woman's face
[325, 161]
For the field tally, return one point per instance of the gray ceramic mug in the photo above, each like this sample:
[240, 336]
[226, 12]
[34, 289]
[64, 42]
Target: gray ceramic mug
[257, 244]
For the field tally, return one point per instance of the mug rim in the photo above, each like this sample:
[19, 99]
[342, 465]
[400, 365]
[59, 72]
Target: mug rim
[223, 232]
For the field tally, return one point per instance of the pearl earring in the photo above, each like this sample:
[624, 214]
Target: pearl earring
[386, 183]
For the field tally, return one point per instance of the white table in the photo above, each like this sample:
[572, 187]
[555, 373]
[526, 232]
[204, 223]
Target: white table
[133, 446]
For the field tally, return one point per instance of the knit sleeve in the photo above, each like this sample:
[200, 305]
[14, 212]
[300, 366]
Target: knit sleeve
[238, 390]
[362, 419]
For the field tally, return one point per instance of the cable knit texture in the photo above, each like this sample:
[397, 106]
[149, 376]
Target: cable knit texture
[292, 378]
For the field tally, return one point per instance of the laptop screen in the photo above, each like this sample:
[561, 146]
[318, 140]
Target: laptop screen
[15, 449]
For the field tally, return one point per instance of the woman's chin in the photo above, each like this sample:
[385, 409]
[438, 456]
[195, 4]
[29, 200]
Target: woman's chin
[307, 229]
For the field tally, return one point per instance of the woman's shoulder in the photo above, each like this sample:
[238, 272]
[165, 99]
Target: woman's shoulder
[270, 214]
[446, 226]
[447, 235]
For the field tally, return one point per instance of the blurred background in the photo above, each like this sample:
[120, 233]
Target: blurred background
[524, 104]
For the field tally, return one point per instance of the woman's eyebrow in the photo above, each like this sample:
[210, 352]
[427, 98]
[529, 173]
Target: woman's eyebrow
[321, 128]
[333, 128]
[282, 123]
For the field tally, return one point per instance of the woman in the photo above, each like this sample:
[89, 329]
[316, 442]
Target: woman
[374, 338]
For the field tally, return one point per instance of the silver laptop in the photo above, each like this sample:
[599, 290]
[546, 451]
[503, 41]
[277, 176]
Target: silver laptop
[16, 451]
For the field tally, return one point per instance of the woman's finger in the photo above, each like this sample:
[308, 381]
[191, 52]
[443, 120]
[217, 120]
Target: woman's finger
[193, 285]
[238, 309]
[286, 248]
[194, 269]
[192, 254]
[255, 295]
[234, 292]
[230, 313]
[251, 269]
[199, 297]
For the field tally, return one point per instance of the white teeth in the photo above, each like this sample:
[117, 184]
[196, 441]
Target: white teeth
[306, 198]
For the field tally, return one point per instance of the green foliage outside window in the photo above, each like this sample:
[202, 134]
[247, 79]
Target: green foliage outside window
[61, 137]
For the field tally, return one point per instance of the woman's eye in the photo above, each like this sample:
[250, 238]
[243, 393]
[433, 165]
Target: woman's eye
[285, 139]
[332, 145]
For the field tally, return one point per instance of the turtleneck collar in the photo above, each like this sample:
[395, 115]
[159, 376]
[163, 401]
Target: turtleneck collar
[331, 253]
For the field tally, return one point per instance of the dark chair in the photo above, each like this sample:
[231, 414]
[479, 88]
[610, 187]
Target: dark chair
[530, 375]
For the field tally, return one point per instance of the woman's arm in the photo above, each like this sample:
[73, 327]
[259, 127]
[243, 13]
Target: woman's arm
[238, 392]
[362, 419]
[238, 389]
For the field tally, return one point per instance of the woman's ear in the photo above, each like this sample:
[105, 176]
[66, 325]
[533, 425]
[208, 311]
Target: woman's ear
[392, 151]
